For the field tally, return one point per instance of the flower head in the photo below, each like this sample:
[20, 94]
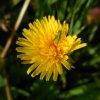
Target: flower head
[46, 46]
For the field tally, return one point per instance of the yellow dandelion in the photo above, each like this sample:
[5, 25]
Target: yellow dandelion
[46, 46]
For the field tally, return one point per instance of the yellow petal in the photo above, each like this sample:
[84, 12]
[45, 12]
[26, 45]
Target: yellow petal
[43, 74]
[66, 64]
[32, 67]
[65, 28]
[80, 46]
[23, 43]
[23, 57]
[59, 68]
[26, 62]
[49, 73]
[39, 69]
[27, 34]
[55, 73]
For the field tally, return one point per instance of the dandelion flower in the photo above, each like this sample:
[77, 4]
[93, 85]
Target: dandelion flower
[46, 46]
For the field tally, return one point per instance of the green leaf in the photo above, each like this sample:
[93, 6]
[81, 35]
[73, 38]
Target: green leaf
[1, 81]
[49, 2]
[15, 2]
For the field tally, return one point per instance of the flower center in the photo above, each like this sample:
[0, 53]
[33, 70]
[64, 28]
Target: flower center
[55, 52]
[52, 52]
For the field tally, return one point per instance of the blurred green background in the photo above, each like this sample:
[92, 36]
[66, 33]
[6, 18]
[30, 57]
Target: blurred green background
[81, 83]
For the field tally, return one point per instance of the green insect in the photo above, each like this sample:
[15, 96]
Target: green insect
[58, 37]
